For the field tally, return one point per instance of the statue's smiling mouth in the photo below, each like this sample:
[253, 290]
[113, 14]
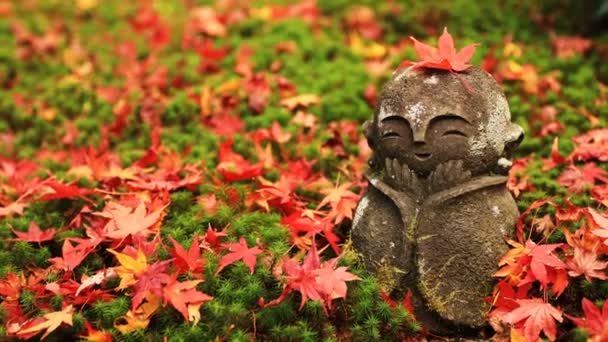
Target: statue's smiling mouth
[422, 156]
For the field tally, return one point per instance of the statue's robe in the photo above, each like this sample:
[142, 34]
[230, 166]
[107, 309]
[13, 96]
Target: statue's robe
[444, 247]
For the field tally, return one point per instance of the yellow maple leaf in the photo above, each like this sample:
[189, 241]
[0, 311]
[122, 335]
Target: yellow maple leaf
[53, 321]
[86, 5]
[370, 50]
[140, 318]
[129, 267]
[303, 100]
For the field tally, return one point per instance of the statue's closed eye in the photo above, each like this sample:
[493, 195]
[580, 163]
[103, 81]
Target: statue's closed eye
[390, 134]
[395, 127]
[450, 125]
[455, 132]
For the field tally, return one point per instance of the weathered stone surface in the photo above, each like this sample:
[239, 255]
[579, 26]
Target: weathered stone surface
[436, 211]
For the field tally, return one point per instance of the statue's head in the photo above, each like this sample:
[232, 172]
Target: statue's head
[426, 117]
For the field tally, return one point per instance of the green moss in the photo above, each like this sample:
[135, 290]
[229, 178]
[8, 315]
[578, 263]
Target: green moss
[107, 312]
[27, 300]
[27, 254]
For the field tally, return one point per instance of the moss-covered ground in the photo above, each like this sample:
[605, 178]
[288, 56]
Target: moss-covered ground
[131, 128]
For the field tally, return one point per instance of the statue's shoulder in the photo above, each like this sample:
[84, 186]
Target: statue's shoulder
[472, 185]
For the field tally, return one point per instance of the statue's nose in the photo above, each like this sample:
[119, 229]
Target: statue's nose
[419, 136]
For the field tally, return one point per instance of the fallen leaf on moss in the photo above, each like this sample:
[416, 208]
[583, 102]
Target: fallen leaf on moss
[304, 100]
[239, 251]
[52, 321]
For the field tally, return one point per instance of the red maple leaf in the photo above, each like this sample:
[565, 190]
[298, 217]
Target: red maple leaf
[533, 316]
[546, 267]
[568, 212]
[302, 278]
[61, 190]
[598, 193]
[233, 166]
[504, 299]
[406, 302]
[568, 46]
[543, 258]
[332, 281]
[527, 263]
[594, 322]
[239, 251]
[225, 124]
[591, 145]
[11, 287]
[600, 221]
[445, 57]
[35, 234]
[280, 195]
[212, 239]
[579, 179]
[208, 202]
[304, 224]
[274, 133]
[72, 255]
[187, 261]
[586, 263]
[151, 280]
[185, 297]
[148, 21]
[316, 281]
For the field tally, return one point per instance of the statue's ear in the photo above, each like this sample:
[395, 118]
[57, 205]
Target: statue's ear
[515, 136]
[367, 131]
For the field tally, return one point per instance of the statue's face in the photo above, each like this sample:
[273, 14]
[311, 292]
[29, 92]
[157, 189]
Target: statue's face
[425, 119]
[422, 147]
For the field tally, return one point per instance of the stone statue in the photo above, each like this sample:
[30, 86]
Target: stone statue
[436, 211]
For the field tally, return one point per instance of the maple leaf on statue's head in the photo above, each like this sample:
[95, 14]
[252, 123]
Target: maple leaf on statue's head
[444, 57]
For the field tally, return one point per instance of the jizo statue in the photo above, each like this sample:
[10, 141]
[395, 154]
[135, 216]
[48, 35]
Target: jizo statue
[436, 211]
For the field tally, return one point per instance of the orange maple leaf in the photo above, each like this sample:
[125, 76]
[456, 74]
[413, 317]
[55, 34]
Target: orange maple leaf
[94, 335]
[185, 297]
[342, 201]
[126, 221]
[140, 317]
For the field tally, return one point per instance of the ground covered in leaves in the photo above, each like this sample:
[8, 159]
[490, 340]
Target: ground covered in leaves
[185, 170]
